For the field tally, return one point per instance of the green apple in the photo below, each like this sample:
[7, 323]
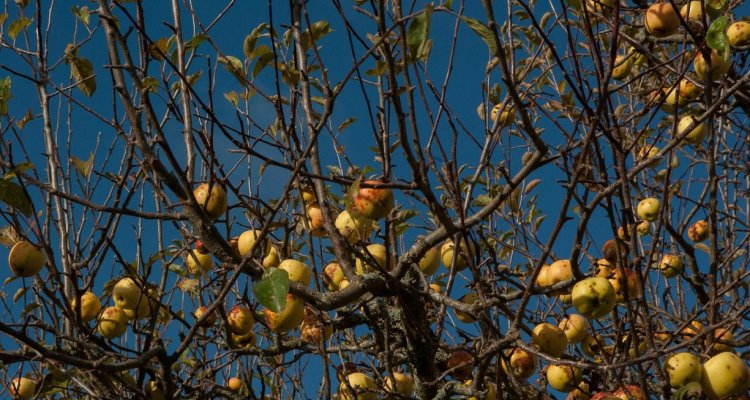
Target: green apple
[126, 293]
[26, 260]
[724, 375]
[696, 135]
[648, 209]
[489, 386]
[563, 377]
[661, 20]
[287, 319]
[112, 323]
[550, 339]
[90, 306]
[682, 368]
[212, 198]
[622, 68]
[354, 227]
[594, 297]
[575, 327]
[671, 265]
[298, 271]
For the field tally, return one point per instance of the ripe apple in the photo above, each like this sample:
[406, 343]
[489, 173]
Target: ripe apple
[575, 327]
[354, 227]
[404, 384]
[550, 339]
[146, 303]
[308, 196]
[469, 298]
[610, 250]
[212, 198]
[542, 280]
[621, 279]
[719, 66]
[315, 331]
[460, 364]
[692, 11]
[682, 368]
[333, 275]
[604, 396]
[200, 312]
[603, 7]
[198, 263]
[691, 330]
[358, 386]
[621, 70]
[688, 90]
[246, 241]
[26, 260]
[126, 293]
[298, 271]
[430, 261]
[694, 136]
[671, 265]
[630, 392]
[648, 209]
[315, 220]
[505, 117]
[466, 251]
[594, 297]
[661, 20]
[698, 231]
[153, 391]
[489, 386]
[563, 377]
[22, 388]
[378, 253]
[724, 375]
[566, 299]
[374, 202]
[234, 384]
[638, 57]
[649, 151]
[112, 322]
[240, 320]
[643, 228]
[723, 341]
[592, 345]
[739, 33]
[579, 393]
[560, 271]
[90, 306]
[520, 363]
[287, 319]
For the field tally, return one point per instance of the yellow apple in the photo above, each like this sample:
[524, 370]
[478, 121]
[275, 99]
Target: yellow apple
[198, 263]
[698, 232]
[373, 202]
[378, 253]
[333, 275]
[692, 11]
[90, 306]
[298, 271]
[724, 375]
[246, 241]
[594, 297]
[234, 384]
[592, 345]
[723, 341]
[503, 116]
[682, 368]
[560, 271]
[550, 339]
[542, 280]
[466, 250]
[648, 209]
[603, 7]
[212, 198]
[315, 331]
[610, 250]
[469, 298]
[26, 260]
[200, 312]
[688, 90]
[240, 320]
[719, 66]
[489, 386]
[22, 388]
[575, 327]
[153, 391]
[622, 278]
[146, 304]
[649, 151]
[739, 33]
[661, 20]
[112, 323]
[622, 68]
[696, 135]
[315, 220]
[459, 364]
[430, 261]
[404, 384]
[126, 293]
[689, 331]
[287, 319]
[563, 377]
[358, 386]
[520, 363]
[246, 341]
[671, 265]
[643, 228]
[353, 227]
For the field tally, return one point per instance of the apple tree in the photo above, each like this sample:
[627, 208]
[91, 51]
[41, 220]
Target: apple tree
[375, 199]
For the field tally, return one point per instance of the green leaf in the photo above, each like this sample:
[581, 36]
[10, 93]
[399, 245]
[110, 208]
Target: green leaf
[248, 46]
[26, 118]
[19, 294]
[318, 29]
[691, 391]
[82, 14]
[195, 42]
[352, 193]
[159, 48]
[234, 66]
[83, 167]
[150, 83]
[346, 123]
[416, 35]
[716, 37]
[17, 26]
[448, 4]
[19, 169]
[263, 60]
[484, 32]
[233, 97]
[82, 71]
[271, 291]
[13, 195]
